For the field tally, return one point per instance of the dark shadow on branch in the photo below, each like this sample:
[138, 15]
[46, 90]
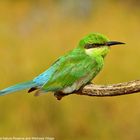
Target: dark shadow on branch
[106, 90]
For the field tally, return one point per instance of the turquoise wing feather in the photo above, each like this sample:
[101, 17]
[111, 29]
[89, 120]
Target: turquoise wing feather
[70, 68]
[45, 76]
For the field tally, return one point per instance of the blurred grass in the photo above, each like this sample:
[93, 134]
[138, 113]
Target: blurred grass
[35, 33]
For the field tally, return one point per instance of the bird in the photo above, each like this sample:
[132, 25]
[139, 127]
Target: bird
[71, 71]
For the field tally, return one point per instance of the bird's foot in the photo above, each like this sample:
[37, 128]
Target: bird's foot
[59, 95]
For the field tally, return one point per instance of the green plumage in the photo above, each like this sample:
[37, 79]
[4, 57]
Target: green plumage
[72, 67]
[78, 65]
[73, 70]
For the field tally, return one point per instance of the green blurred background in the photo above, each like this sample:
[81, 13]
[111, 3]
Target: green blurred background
[34, 33]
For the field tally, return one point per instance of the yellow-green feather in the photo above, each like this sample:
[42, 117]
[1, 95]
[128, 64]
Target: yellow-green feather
[79, 64]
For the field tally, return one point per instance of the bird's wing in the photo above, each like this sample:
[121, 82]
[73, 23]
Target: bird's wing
[46, 75]
[69, 69]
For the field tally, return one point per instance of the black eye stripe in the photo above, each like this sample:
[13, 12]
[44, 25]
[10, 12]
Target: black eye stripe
[95, 45]
[88, 46]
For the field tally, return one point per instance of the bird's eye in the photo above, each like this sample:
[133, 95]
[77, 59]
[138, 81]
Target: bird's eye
[88, 46]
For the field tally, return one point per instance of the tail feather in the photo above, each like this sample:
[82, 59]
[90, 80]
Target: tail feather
[18, 87]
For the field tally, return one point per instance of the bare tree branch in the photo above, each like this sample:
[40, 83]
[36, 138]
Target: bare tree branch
[106, 90]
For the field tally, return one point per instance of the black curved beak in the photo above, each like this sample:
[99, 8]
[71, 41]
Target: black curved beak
[111, 43]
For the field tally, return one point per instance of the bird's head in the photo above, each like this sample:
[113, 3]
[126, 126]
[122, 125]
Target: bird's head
[97, 44]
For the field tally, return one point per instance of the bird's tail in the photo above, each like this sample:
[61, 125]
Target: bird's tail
[18, 87]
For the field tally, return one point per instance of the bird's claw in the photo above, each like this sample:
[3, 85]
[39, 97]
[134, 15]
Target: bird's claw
[59, 95]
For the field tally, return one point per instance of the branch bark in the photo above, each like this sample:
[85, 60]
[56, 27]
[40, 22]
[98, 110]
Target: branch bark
[106, 90]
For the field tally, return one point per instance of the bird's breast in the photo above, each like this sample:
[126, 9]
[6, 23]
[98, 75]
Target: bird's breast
[76, 85]
[97, 66]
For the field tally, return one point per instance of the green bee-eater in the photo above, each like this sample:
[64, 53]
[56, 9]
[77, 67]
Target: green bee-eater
[73, 70]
